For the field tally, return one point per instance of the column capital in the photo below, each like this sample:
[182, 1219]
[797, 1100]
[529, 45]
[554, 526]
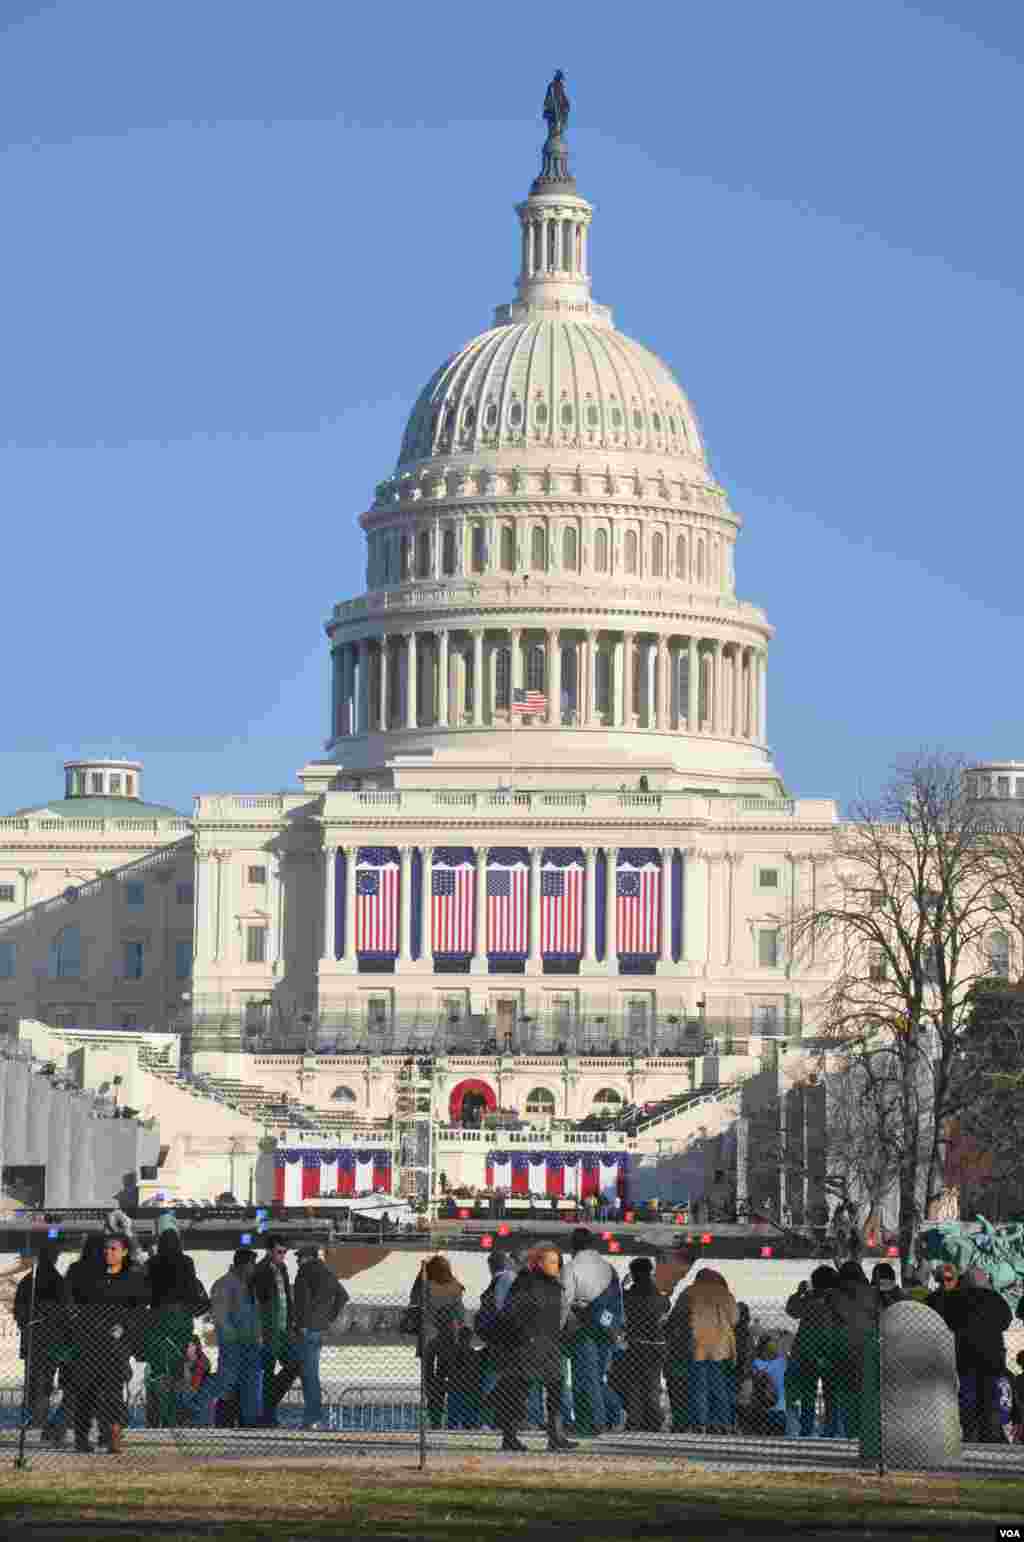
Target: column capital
[734, 858]
[590, 854]
[536, 852]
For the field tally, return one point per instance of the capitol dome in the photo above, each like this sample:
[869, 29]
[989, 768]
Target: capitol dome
[560, 384]
[552, 552]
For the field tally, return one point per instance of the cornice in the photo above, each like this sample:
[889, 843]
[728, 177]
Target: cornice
[371, 622]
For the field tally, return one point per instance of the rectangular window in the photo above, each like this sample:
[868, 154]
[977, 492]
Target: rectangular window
[766, 1017]
[6, 894]
[182, 960]
[8, 960]
[931, 899]
[377, 1011]
[876, 965]
[768, 878]
[1004, 786]
[135, 894]
[134, 954]
[115, 783]
[257, 875]
[930, 966]
[185, 893]
[255, 944]
[768, 948]
[877, 898]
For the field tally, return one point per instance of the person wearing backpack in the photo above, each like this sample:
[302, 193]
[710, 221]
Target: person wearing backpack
[488, 1328]
[768, 1390]
[593, 1294]
[318, 1299]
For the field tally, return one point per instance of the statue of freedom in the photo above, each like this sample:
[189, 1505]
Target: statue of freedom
[556, 106]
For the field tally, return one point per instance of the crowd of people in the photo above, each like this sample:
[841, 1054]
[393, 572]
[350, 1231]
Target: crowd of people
[81, 1333]
[558, 1342]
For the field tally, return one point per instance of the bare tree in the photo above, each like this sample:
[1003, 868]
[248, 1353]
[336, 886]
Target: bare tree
[903, 918]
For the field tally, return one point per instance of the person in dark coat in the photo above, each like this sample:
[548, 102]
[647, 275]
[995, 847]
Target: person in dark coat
[272, 1290]
[107, 1304]
[443, 1319]
[639, 1372]
[855, 1307]
[46, 1304]
[530, 1349]
[177, 1298]
[978, 1317]
[814, 1356]
[318, 1299]
[886, 1287]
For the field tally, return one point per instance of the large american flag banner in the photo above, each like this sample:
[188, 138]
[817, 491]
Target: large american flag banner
[561, 902]
[452, 892]
[507, 905]
[638, 902]
[377, 884]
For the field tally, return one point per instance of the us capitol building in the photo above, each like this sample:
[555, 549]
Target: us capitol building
[546, 841]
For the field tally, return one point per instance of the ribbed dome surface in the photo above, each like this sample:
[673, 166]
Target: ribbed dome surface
[558, 383]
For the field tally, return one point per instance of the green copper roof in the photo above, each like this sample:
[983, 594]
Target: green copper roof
[102, 808]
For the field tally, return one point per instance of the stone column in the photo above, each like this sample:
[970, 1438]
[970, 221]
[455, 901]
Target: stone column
[533, 958]
[515, 669]
[478, 963]
[737, 691]
[330, 902]
[348, 948]
[275, 875]
[694, 898]
[385, 705]
[442, 678]
[410, 680]
[478, 677]
[590, 906]
[693, 686]
[762, 727]
[665, 945]
[611, 950]
[404, 906]
[663, 715]
[733, 863]
[363, 720]
[716, 687]
[650, 675]
[553, 676]
[675, 704]
[627, 679]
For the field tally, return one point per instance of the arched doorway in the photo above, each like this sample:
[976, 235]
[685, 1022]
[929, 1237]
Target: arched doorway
[470, 1101]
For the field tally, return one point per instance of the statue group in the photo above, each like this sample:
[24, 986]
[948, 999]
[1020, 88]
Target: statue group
[999, 1250]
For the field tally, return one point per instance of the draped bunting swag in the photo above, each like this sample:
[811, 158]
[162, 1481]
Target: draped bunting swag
[316, 1172]
[566, 1174]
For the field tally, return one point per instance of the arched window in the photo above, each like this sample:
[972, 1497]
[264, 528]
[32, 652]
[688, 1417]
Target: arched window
[607, 1097]
[468, 418]
[540, 413]
[538, 549]
[601, 551]
[508, 549]
[343, 1095]
[491, 415]
[567, 414]
[515, 414]
[682, 571]
[616, 417]
[448, 552]
[569, 549]
[534, 668]
[638, 420]
[502, 678]
[999, 954]
[423, 554]
[700, 562]
[592, 416]
[658, 556]
[66, 954]
[540, 1101]
[631, 551]
[479, 549]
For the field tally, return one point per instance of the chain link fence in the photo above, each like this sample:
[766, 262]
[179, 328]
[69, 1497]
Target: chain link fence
[436, 1352]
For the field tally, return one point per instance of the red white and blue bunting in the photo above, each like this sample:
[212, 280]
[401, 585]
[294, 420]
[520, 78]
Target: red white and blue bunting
[315, 1173]
[559, 1174]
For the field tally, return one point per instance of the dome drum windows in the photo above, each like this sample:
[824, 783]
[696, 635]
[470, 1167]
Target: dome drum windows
[570, 549]
[601, 551]
[538, 549]
[631, 550]
[448, 553]
[508, 549]
[515, 415]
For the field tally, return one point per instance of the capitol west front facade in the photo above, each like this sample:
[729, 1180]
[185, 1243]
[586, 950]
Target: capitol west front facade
[548, 688]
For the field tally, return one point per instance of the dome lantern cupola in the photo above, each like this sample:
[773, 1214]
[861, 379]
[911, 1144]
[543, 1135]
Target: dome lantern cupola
[554, 221]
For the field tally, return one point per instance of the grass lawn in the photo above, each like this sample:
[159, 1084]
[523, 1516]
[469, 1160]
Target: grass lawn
[479, 1498]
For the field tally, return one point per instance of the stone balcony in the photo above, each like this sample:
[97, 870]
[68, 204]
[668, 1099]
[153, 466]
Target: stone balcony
[565, 805]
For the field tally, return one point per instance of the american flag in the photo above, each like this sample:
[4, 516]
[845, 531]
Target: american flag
[451, 909]
[637, 910]
[561, 910]
[528, 703]
[377, 909]
[507, 914]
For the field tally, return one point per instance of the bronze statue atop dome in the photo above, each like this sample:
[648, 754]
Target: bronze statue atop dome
[556, 106]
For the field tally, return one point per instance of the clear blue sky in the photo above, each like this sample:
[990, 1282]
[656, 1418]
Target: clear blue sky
[239, 236]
